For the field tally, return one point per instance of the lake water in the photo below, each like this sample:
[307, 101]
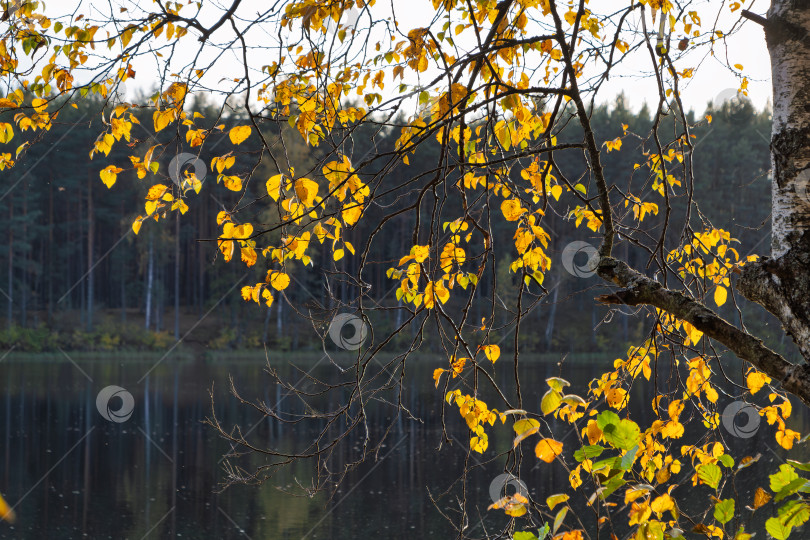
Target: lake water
[71, 473]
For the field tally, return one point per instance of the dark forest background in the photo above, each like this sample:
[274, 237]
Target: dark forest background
[74, 276]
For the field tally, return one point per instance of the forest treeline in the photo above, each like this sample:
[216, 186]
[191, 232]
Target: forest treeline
[75, 276]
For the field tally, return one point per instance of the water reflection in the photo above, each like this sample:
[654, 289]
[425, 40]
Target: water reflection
[74, 474]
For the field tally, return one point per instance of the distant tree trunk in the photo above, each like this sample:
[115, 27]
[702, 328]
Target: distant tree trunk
[25, 260]
[91, 229]
[551, 316]
[177, 276]
[200, 273]
[122, 275]
[123, 299]
[49, 267]
[10, 313]
[82, 287]
[149, 279]
[279, 317]
[266, 324]
[160, 297]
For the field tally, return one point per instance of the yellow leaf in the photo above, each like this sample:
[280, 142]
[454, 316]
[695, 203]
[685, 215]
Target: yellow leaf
[239, 134]
[268, 297]
[761, 498]
[136, 225]
[493, 352]
[615, 397]
[162, 119]
[338, 254]
[512, 210]
[756, 380]
[479, 444]
[274, 186]
[593, 432]
[109, 174]
[177, 91]
[693, 334]
[351, 213]
[554, 500]
[6, 132]
[306, 190]
[786, 437]
[720, 295]
[548, 449]
[525, 424]
[420, 253]
[39, 104]
[6, 512]
[662, 503]
[279, 280]
[226, 247]
[550, 401]
[437, 373]
[241, 232]
[234, 183]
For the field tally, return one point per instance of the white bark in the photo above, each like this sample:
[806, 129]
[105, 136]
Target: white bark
[788, 34]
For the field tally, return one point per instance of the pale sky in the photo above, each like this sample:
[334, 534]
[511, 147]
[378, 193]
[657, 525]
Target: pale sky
[711, 80]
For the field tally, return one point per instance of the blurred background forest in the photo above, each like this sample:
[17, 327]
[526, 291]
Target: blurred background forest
[74, 276]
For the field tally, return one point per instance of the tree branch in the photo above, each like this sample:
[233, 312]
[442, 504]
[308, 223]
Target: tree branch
[639, 289]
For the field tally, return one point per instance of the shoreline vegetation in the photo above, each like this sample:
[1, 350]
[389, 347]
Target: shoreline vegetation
[259, 356]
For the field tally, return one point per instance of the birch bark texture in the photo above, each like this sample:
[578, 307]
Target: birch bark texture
[781, 282]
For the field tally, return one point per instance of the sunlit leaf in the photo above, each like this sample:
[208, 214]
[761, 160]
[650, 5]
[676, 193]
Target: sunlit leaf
[238, 134]
[548, 449]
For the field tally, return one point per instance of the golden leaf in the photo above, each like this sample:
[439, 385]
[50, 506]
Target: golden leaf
[239, 134]
[761, 498]
[756, 380]
[548, 449]
[492, 352]
[279, 281]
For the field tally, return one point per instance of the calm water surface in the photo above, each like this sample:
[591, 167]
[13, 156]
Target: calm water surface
[73, 474]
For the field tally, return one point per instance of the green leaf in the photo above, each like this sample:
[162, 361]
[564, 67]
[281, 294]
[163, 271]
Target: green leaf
[710, 474]
[615, 483]
[785, 476]
[789, 489]
[609, 464]
[542, 532]
[588, 452]
[794, 513]
[624, 435]
[629, 458]
[777, 529]
[559, 519]
[524, 535]
[676, 534]
[606, 418]
[799, 465]
[742, 535]
[724, 510]
[726, 460]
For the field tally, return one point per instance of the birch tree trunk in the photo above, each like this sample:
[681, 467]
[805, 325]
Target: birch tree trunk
[781, 283]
